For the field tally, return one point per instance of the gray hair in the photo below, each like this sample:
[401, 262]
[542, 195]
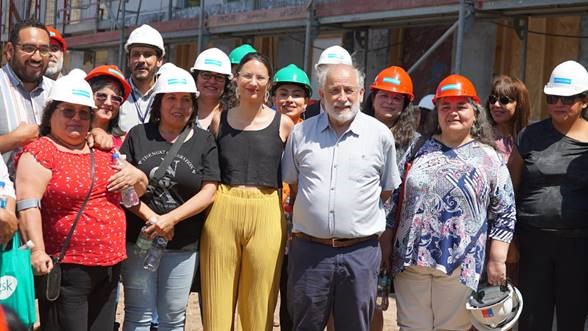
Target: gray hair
[322, 74]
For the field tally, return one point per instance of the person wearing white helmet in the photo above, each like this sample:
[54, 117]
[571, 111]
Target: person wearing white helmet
[62, 187]
[426, 108]
[550, 167]
[331, 55]
[145, 51]
[173, 205]
[212, 74]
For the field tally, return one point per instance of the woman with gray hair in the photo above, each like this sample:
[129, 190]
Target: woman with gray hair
[456, 191]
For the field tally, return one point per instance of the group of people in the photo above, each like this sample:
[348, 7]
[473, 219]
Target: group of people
[261, 193]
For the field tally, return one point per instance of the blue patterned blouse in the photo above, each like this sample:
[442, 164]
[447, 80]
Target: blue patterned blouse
[454, 198]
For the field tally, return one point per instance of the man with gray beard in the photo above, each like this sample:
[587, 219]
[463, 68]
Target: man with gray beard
[341, 166]
[57, 50]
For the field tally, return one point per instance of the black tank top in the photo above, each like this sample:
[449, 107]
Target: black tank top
[250, 157]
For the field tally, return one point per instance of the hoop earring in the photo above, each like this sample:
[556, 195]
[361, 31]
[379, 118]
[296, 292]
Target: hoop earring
[266, 96]
[237, 94]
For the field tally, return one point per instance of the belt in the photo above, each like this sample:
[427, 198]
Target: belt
[333, 242]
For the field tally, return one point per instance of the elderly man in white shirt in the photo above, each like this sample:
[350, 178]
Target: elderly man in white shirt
[342, 164]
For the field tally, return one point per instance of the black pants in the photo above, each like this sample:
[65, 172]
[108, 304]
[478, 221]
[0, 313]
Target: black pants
[87, 301]
[285, 318]
[553, 272]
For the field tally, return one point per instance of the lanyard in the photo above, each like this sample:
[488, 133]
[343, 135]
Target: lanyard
[140, 114]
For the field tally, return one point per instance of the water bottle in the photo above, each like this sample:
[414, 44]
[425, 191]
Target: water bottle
[384, 282]
[143, 243]
[128, 196]
[3, 195]
[154, 254]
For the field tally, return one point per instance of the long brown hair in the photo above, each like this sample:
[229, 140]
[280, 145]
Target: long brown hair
[515, 89]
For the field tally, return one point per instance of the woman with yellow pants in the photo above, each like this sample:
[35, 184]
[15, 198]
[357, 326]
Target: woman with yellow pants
[243, 237]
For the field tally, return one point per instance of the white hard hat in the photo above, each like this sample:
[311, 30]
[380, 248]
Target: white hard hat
[495, 308]
[334, 55]
[73, 88]
[165, 67]
[568, 78]
[145, 34]
[175, 80]
[215, 60]
[427, 102]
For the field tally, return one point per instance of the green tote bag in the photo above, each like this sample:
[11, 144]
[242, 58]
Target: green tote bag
[17, 289]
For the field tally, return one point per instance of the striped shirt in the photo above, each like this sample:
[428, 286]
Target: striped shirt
[18, 105]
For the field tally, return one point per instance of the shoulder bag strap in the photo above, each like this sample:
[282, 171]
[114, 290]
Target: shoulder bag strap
[171, 154]
[79, 214]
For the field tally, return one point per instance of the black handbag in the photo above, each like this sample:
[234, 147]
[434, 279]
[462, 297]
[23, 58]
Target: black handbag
[51, 282]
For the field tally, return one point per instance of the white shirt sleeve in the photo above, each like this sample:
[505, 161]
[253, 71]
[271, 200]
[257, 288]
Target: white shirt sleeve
[8, 185]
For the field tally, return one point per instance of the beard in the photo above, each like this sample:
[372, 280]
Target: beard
[342, 117]
[54, 68]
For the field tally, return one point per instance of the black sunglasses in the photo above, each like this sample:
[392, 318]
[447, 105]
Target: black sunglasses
[569, 100]
[503, 100]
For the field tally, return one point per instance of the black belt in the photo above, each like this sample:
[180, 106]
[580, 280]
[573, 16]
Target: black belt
[333, 242]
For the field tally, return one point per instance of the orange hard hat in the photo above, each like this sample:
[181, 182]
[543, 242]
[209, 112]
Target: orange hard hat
[456, 86]
[55, 35]
[394, 79]
[110, 70]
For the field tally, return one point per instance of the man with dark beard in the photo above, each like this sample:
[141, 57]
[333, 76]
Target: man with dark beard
[24, 88]
[145, 51]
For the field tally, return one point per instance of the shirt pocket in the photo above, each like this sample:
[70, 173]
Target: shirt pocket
[362, 167]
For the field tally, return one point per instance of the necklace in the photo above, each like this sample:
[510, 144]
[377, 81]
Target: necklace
[79, 146]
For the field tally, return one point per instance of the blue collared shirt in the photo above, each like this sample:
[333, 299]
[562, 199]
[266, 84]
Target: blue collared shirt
[340, 178]
[136, 110]
[19, 105]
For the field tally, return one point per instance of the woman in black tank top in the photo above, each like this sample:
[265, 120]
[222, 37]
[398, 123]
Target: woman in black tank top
[243, 237]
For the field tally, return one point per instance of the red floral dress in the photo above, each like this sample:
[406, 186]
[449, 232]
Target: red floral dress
[99, 237]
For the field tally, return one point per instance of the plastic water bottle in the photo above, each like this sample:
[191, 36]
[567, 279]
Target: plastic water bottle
[128, 196]
[143, 243]
[384, 282]
[154, 254]
[3, 197]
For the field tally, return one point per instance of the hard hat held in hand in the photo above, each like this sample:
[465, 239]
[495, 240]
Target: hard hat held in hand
[456, 86]
[146, 35]
[73, 88]
[112, 71]
[238, 53]
[175, 80]
[394, 79]
[334, 55]
[214, 60]
[495, 308]
[567, 78]
[292, 74]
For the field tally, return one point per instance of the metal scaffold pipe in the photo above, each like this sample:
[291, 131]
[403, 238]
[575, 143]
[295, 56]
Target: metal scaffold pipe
[434, 47]
[200, 26]
[307, 41]
[121, 46]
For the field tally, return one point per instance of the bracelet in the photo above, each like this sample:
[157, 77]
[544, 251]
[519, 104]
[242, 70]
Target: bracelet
[25, 204]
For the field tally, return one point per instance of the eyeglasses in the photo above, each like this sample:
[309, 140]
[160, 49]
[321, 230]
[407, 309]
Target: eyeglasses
[116, 100]
[569, 100]
[503, 100]
[249, 76]
[31, 49]
[208, 76]
[83, 115]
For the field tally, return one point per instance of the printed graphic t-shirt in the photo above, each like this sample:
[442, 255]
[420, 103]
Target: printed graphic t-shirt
[195, 163]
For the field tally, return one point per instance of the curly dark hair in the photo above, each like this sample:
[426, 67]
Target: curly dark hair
[227, 99]
[155, 111]
[45, 126]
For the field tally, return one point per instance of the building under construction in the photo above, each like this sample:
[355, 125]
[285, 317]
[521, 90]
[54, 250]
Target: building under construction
[430, 38]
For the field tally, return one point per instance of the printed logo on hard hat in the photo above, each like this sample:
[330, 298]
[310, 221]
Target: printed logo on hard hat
[173, 81]
[52, 34]
[80, 93]
[335, 56]
[562, 80]
[456, 87]
[391, 80]
[116, 72]
[213, 62]
[487, 313]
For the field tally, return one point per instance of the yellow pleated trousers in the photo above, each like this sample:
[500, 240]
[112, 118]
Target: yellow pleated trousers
[242, 247]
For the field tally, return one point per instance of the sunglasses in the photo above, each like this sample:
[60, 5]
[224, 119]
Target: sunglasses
[569, 100]
[83, 115]
[208, 76]
[116, 100]
[503, 100]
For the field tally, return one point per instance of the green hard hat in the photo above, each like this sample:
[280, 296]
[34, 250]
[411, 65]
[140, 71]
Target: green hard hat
[292, 74]
[239, 53]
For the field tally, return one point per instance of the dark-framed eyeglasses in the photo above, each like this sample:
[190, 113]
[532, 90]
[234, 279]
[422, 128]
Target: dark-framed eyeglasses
[503, 99]
[566, 100]
[219, 78]
[116, 100]
[30, 49]
[70, 113]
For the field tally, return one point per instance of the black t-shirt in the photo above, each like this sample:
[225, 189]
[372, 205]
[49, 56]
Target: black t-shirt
[553, 192]
[196, 162]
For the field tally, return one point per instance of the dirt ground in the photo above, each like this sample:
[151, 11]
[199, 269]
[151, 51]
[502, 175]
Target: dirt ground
[195, 324]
